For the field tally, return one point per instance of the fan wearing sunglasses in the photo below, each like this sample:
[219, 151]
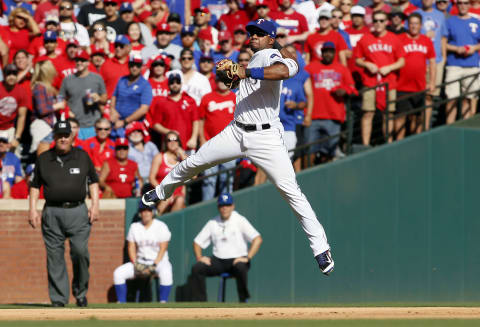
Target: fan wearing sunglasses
[194, 83]
[176, 112]
[114, 23]
[256, 133]
[162, 164]
[380, 55]
[100, 147]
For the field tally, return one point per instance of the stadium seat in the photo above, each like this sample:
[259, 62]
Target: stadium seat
[222, 287]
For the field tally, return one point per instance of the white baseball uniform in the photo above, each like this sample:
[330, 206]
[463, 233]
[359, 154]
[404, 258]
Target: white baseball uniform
[148, 242]
[258, 102]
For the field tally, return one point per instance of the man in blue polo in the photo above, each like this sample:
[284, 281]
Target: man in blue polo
[131, 98]
[462, 60]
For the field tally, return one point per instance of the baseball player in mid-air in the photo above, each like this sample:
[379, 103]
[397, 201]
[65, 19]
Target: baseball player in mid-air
[256, 132]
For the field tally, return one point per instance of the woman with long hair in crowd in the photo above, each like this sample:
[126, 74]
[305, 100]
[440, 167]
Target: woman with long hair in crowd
[45, 103]
[24, 77]
[21, 29]
[162, 164]
[345, 7]
[141, 150]
[99, 40]
[134, 34]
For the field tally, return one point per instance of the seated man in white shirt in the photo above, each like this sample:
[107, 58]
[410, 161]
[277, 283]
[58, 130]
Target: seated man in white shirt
[229, 232]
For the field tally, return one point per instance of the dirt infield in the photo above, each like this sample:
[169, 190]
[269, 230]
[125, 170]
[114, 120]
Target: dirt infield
[241, 313]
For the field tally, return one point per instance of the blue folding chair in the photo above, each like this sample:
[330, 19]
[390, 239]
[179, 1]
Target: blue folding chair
[223, 286]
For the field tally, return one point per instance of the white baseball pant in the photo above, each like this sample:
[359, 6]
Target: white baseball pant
[290, 138]
[127, 271]
[267, 150]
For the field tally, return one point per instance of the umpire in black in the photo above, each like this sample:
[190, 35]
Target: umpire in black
[65, 173]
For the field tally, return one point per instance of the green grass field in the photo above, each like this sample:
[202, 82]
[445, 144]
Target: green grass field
[246, 323]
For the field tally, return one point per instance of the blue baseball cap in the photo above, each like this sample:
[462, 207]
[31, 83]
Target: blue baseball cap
[267, 26]
[125, 7]
[328, 45]
[225, 199]
[122, 39]
[50, 36]
[188, 29]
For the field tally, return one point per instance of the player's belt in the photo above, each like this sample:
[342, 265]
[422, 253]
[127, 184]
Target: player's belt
[251, 127]
[64, 204]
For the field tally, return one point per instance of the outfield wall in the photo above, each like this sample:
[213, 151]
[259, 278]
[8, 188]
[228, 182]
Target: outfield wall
[401, 219]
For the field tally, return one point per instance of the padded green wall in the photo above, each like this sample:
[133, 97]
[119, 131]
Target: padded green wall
[402, 221]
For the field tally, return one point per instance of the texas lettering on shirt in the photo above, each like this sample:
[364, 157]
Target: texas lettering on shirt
[414, 47]
[159, 89]
[377, 47]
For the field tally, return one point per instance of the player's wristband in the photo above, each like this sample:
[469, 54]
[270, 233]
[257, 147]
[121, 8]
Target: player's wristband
[154, 264]
[292, 67]
[277, 46]
[255, 73]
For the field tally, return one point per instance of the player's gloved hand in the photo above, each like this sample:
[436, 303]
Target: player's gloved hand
[150, 198]
[152, 268]
[230, 73]
[143, 270]
[140, 270]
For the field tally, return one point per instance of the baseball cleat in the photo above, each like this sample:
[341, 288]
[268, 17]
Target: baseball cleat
[150, 198]
[325, 262]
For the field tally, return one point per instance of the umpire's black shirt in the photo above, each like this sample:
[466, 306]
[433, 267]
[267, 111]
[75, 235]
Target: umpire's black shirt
[64, 177]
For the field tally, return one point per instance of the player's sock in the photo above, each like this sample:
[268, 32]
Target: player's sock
[164, 291]
[121, 291]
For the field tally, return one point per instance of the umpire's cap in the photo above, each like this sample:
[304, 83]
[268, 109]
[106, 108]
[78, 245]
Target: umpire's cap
[62, 127]
[225, 199]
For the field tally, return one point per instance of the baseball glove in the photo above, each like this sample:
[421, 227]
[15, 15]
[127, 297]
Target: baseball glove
[227, 72]
[143, 270]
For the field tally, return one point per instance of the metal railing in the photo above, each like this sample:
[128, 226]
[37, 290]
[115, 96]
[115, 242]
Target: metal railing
[347, 134]
[436, 101]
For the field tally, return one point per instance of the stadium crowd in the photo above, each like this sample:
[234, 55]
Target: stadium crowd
[136, 79]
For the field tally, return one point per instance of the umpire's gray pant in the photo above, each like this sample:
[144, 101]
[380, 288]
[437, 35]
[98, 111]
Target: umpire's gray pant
[57, 225]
